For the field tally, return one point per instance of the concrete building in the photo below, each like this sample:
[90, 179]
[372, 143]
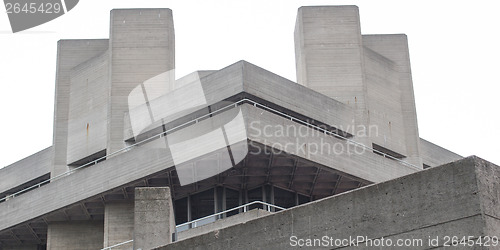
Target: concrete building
[239, 157]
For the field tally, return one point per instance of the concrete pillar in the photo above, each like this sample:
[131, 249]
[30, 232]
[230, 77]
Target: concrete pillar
[329, 57]
[70, 53]
[119, 224]
[75, 235]
[141, 47]
[154, 220]
[328, 52]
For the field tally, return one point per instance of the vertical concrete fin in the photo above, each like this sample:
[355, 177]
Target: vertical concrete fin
[141, 47]
[70, 53]
[395, 48]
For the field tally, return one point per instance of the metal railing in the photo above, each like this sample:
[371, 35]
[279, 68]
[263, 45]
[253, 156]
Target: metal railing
[214, 217]
[196, 120]
[117, 245]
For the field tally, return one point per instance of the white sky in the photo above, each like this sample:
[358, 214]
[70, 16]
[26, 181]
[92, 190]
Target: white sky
[454, 51]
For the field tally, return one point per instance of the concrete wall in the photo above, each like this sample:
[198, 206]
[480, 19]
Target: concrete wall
[264, 127]
[25, 170]
[81, 185]
[384, 101]
[87, 125]
[70, 53]
[154, 220]
[141, 47]
[118, 224]
[371, 74]
[434, 155]
[395, 48]
[418, 206]
[149, 159]
[85, 235]
[329, 56]
[223, 223]
[328, 51]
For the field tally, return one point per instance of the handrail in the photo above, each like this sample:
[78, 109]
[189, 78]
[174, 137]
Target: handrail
[117, 245]
[244, 206]
[235, 104]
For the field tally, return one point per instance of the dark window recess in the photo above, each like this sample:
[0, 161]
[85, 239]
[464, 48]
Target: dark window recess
[303, 199]
[93, 157]
[181, 210]
[283, 198]
[202, 204]
[377, 149]
[232, 201]
[255, 195]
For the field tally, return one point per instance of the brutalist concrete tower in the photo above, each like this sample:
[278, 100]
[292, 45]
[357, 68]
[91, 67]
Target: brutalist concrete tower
[95, 77]
[369, 73]
[141, 160]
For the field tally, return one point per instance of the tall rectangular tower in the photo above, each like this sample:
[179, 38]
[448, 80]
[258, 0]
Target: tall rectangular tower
[142, 45]
[371, 74]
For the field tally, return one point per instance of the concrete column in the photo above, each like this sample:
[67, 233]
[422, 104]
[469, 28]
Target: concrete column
[75, 235]
[154, 220]
[119, 224]
[328, 52]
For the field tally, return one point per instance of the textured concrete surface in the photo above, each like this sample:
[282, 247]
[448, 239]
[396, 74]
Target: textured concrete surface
[141, 47]
[329, 56]
[118, 224]
[395, 48]
[25, 170]
[86, 235]
[456, 199]
[434, 155]
[70, 53]
[154, 221]
[324, 149]
[149, 159]
[369, 77]
[87, 124]
[223, 223]
[369, 73]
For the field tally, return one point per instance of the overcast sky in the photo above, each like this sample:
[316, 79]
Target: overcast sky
[454, 51]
